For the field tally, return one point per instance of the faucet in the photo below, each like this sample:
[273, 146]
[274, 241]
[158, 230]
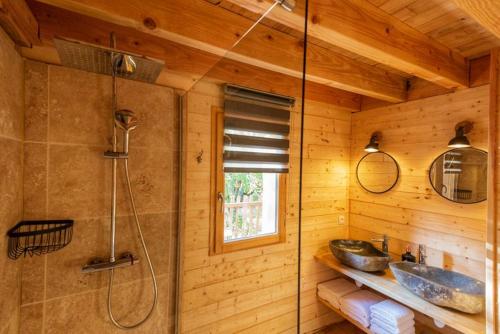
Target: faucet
[421, 254]
[385, 243]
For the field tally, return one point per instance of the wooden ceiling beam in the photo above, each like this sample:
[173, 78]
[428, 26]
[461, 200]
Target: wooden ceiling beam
[203, 26]
[184, 65]
[362, 28]
[19, 23]
[485, 12]
[479, 75]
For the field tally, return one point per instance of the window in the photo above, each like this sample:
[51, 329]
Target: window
[250, 143]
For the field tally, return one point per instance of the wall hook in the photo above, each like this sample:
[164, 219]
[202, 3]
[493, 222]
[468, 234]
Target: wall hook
[199, 157]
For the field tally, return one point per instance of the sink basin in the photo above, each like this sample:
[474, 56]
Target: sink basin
[441, 287]
[359, 254]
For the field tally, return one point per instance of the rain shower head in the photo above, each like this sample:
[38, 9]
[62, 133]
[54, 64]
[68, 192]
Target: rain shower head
[102, 60]
[124, 64]
[125, 119]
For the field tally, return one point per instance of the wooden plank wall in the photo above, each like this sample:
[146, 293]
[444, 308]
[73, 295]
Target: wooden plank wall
[325, 182]
[255, 291]
[250, 291]
[493, 232]
[414, 133]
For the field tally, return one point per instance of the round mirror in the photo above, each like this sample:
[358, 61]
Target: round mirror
[377, 172]
[460, 175]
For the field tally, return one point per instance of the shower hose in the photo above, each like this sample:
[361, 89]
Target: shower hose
[153, 277]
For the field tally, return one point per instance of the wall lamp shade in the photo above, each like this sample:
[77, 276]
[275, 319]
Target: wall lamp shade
[373, 144]
[460, 140]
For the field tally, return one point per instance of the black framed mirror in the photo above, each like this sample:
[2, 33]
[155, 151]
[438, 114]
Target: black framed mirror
[377, 172]
[460, 175]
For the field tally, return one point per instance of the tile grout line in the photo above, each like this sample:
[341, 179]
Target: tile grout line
[103, 288]
[11, 138]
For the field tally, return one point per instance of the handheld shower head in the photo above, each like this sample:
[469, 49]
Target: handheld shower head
[125, 120]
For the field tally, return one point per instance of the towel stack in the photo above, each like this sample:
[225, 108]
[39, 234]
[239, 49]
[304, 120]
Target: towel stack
[389, 317]
[357, 305]
[333, 290]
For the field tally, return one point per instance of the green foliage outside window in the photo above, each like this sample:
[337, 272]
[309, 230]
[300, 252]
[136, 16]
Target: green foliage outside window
[243, 187]
[242, 220]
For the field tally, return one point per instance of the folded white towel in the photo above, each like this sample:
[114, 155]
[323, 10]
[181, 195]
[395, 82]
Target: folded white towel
[392, 312]
[329, 297]
[354, 311]
[377, 330]
[338, 287]
[388, 322]
[391, 321]
[359, 303]
[401, 326]
[407, 328]
[363, 321]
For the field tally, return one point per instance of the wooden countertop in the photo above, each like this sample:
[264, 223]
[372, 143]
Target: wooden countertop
[387, 285]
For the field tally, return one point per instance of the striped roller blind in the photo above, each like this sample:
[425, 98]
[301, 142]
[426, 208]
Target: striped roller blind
[256, 131]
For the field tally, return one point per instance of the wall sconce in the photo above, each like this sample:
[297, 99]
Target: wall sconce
[373, 144]
[460, 140]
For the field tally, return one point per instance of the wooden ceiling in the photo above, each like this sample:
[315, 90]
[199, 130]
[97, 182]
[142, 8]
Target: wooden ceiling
[444, 21]
[356, 47]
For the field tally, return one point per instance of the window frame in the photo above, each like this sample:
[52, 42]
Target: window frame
[217, 244]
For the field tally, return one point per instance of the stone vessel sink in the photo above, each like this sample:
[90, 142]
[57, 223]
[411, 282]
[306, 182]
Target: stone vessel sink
[441, 287]
[359, 254]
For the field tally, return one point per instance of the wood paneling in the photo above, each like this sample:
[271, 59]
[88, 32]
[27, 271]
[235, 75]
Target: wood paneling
[18, 21]
[486, 12]
[241, 291]
[361, 28]
[445, 22]
[198, 24]
[324, 199]
[184, 65]
[492, 242]
[414, 133]
[255, 290]
[417, 88]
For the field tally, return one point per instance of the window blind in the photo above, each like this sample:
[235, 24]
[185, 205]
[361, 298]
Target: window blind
[256, 131]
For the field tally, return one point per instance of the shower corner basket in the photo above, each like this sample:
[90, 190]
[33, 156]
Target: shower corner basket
[39, 237]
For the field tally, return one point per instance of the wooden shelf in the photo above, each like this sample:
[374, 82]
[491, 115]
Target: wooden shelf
[387, 285]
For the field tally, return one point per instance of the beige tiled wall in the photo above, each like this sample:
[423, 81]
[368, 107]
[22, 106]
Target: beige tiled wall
[68, 126]
[11, 180]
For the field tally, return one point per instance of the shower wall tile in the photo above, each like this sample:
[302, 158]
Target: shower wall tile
[31, 319]
[35, 181]
[78, 182]
[155, 113]
[11, 180]
[131, 302]
[90, 241]
[151, 175]
[153, 225]
[68, 177]
[36, 101]
[33, 279]
[10, 213]
[10, 287]
[80, 107]
[12, 88]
